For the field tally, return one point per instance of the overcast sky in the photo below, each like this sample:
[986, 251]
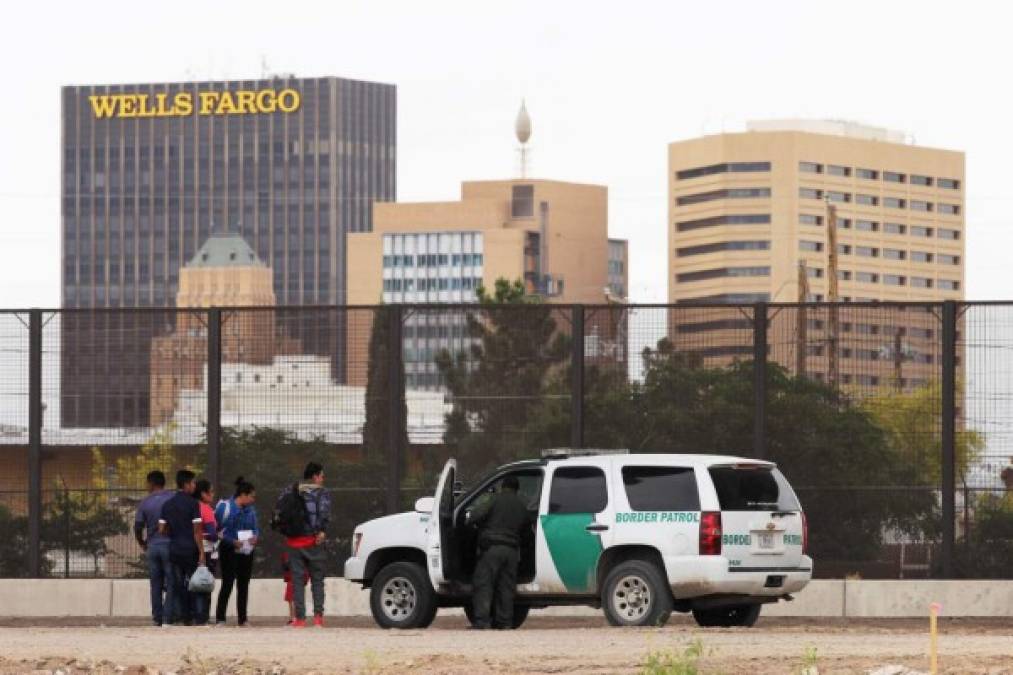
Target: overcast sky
[608, 85]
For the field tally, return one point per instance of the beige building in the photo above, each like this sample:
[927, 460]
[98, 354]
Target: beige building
[746, 210]
[550, 234]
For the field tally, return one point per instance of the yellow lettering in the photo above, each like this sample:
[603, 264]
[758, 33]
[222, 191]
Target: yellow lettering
[128, 105]
[160, 108]
[226, 106]
[266, 101]
[183, 103]
[288, 100]
[143, 109]
[245, 102]
[207, 101]
[103, 106]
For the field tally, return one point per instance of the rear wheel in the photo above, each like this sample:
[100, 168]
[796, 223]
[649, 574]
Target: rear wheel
[402, 597]
[520, 615]
[739, 615]
[635, 593]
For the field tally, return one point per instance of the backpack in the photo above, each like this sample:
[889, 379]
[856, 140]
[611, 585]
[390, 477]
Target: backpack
[290, 516]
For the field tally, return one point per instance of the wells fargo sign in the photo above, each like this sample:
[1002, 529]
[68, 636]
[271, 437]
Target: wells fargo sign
[183, 103]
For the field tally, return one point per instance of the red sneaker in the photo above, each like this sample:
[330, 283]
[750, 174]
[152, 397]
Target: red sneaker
[298, 623]
[318, 620]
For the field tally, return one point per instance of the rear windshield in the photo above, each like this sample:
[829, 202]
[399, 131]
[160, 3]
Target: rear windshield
[757, 488]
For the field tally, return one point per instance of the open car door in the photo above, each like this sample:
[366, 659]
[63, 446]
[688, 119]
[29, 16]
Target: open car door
[438, 548]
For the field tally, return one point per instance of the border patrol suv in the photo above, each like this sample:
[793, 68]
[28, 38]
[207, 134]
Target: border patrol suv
[639, 535]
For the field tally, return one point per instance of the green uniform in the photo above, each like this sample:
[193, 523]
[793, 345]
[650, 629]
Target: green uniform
[502, 517]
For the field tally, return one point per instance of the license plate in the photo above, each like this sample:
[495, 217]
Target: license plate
[765, 540]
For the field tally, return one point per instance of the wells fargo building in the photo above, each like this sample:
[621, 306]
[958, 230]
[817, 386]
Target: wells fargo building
[150, 170]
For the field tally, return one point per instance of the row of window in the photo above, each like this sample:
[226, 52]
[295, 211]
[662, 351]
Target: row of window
[434, 260]
[893, 279]
[442, 284]
[873, 200]
[727, 193]
[887, 253]
[888, 228]
[726, 299]
[729, 219]
[759, 245]
[726, 167]
[876, 329]
[721, 272]
[873, 174]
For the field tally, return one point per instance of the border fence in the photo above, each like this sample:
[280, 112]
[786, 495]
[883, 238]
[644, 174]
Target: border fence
[893, 421]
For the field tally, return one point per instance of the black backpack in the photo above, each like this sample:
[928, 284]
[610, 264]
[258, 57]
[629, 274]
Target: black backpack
[290, 516]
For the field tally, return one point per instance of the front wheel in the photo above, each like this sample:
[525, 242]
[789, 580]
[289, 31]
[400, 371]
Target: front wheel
[520, 615]
[635, 593]
[402, 597]
[726, 617]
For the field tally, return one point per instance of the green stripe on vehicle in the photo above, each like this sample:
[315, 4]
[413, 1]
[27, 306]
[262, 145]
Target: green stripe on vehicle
[574, 550]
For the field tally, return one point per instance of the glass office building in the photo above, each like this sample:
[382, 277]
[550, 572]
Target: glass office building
[150, 170]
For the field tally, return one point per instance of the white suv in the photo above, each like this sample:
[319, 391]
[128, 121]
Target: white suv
[639, 535]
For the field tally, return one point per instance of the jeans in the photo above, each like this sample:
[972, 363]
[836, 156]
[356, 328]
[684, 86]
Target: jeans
[301, 560]
[160, 576]
[184, 604]
[236, 568]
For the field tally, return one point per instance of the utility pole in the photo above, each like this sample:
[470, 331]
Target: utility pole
[802, 322]
[832, 296]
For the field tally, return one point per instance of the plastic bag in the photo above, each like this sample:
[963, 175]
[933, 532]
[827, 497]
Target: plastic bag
[201, 581]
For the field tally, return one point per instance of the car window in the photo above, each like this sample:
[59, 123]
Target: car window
[752, 488]
[578, 489]
[661, 488]
[530, 491]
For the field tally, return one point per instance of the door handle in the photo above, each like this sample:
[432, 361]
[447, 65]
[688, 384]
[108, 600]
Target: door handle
[596, 527]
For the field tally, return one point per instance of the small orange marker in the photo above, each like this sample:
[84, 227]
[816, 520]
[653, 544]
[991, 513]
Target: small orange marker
[934, 609]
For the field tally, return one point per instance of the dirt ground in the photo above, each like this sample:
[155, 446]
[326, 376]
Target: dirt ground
[543, 645]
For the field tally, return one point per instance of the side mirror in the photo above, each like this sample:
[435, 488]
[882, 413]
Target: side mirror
[424, 504]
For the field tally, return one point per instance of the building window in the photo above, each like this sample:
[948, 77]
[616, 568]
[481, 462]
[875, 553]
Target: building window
[894, 202]
[844, 249]
[723, 246]
[814, 272]
[844, 223]
[894, 228]
[867, 174]
[894, 254]
[948, 183]
[921, 180]
[945, 233]
[729, 167]
[810, 167]
[919, 231]
[814, 246]
[740, 219]
[727, 299]
[918, 205]
[921, 256]
[838, 170]
[947, 259]
[894, 280]
[894, 177]
[867, 225]
[949, 209]
[721, 272]
[730, 193]
[867, 277]
[844, 275]
[836, 196]
[921, 282]
[867, 251]
[948, 284]
[810, 219]
[523, 201]
[810, 193]
[867, 200]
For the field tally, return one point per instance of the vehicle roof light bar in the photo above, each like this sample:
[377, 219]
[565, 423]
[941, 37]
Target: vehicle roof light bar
[563, 453]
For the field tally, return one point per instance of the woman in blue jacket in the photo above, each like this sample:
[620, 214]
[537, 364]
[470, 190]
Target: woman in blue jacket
[238, 533]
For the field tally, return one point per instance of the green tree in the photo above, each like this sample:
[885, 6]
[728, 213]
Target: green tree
[81, 522]
[499, 384]
[377, 429]
[13, 544]
[987, 549]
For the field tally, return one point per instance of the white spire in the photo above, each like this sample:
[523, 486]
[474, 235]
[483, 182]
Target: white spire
[522, 127]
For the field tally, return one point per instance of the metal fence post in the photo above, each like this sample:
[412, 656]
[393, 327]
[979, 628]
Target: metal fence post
[577, 382]
[760, 380]
[396, 404]
[214, 402]
[35, 443]
[949, 436]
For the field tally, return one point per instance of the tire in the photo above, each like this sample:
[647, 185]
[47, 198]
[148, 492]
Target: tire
[402, 597]
[520, 615]
[636, 593]
[726, 617]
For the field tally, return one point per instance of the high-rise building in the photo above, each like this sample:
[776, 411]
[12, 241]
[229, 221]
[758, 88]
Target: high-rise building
[150, 170]
[748, 211]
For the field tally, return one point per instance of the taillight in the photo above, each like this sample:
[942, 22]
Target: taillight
[356, 540]
[805, 534]
[710, 533]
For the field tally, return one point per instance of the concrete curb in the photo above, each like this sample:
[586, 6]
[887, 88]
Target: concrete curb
[123, 598]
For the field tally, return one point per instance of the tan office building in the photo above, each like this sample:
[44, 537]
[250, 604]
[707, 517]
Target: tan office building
[553, 235]
[747, 209]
